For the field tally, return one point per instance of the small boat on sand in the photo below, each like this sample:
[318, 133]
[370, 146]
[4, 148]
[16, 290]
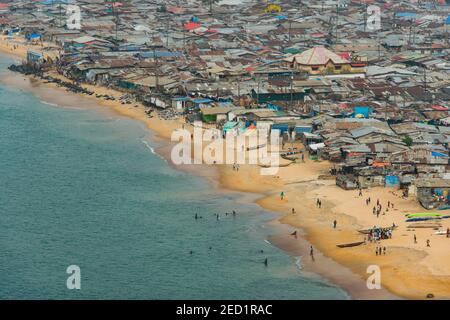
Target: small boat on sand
[367, 231]
[428, 225]
[348, 245]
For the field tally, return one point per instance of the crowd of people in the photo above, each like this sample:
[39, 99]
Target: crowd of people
[377, 233]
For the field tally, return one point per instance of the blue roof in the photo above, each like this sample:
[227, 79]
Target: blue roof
[33, 36]
[202, 100]
[50, 2]
[437, 154]
[447, 21]
[406, 14]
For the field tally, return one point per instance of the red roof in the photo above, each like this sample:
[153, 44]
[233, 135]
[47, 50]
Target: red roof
[192, 25]
[380, 164]
[345, 55]
[439, 108]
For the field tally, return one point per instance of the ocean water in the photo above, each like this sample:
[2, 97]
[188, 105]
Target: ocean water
[80, 188]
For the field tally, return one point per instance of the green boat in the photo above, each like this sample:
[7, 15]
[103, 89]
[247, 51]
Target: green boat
[424, 215]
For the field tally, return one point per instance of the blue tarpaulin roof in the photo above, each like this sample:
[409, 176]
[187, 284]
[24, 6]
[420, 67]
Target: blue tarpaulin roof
[447, 21]
[202, 101]
[33, 36]
[365, 111]
[50, 2]
[437, 154]
[406, 14]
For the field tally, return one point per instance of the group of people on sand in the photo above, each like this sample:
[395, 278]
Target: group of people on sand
[376, 234]
[376, 210]
[235, 167]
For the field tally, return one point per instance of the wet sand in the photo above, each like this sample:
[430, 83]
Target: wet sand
[408, 270]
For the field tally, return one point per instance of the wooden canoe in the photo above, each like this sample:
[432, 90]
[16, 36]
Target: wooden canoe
[417, 226]
[348, 245]
[367, 231]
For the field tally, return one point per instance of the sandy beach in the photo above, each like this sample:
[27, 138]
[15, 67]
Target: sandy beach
[408, 270]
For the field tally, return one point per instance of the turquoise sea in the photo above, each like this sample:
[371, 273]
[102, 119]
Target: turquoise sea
[80, 188]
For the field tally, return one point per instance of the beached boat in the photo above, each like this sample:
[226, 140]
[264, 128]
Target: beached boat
[367, 231]
[424, 215]
[426, 225]
[348, 245]
[423, 219]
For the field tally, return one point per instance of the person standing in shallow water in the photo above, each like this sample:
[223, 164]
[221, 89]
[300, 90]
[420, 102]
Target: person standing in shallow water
[311, 253]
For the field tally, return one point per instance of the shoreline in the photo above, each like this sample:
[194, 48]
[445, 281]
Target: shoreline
[344, 267]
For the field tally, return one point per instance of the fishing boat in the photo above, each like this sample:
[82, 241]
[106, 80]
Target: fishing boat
[422, 219]
[348, 245]
[424, 215]
[367, 231]
[426, 225]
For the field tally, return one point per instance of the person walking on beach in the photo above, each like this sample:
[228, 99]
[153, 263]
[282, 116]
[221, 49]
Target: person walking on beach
[282, 195]
[384, 250]
[293, 211]
[360, 192]
[415, 239]
[334, 224]
[448, 232]
[376, 251]
[428, 243]
[311, 253]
